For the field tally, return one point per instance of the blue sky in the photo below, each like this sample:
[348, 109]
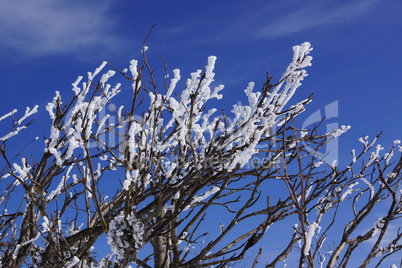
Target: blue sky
[357, 56]
[45, 45]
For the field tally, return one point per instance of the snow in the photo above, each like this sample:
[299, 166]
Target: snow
[182, 237]
[8, 114]
[375, 155]
[133, 69]
[57, 155]
[12, 133]
[16, 250]
[317, 164]
[364, 140]
[121, 230]
[378, 225]
[371, 187]
[32, 240]
[28, 112]
[340, 131]
[46, 224]
[73, 262]
[354, 156]
[205, 195]
[134, 129]
[192, 125]
[91, 76]
[202, 197]
[75, 88]
[54, 136]
[73, 143]
[51, 105]
[62, 183]
[253, 97]
[105, 77]
[102, 123]
[300, 53]
[22, 171]
[349, 190]
[309, 236]
[131, 177]
[173, 82]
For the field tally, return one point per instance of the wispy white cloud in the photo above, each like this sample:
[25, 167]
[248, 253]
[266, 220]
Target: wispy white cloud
[48, 27]
[314, 14]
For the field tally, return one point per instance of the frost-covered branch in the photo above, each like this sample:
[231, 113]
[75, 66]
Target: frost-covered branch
[151, 167]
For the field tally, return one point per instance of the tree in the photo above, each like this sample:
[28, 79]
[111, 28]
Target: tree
[152, 176]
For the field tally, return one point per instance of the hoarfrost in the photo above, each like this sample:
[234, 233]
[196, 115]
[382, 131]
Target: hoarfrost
[319, 163]
[73, 262]
[378, 225]
[8, 114]
[105, 77]
[349, 190]
[134, 70]
[371, 187]
[340, 131]
[46, 224]
[22, 171]
[364, 140]
[62, 184]
[251, 122]
[125, 232]
[205, 195]
[28, 112]
[309, 236]
[131, 177]
[383, 250]
[354, 156]
[19, 127]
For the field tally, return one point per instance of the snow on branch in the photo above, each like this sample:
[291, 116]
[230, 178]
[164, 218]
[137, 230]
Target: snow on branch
[28, 112]
[122, 230]
[339, 131]
[18, 125]
[202, 197]
[169, 157]
[8, 114]
[309, 236]
[22, 171]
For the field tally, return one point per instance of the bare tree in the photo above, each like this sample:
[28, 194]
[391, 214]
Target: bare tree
[171, 182]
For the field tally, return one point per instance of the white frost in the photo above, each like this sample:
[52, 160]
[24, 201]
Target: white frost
[125, 232]
[349, 190]
[46, 224]
[378, 225]
[8, 114]
[340, 131]
[309, 236]
[73, 262]
[205, 195]
[371, 187]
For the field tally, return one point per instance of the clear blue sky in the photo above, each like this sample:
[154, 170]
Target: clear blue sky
[357, 56]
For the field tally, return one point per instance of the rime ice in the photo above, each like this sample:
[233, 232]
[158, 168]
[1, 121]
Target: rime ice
[122, 230]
